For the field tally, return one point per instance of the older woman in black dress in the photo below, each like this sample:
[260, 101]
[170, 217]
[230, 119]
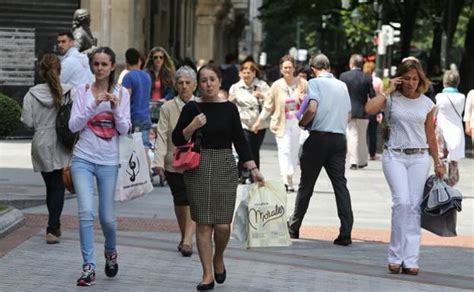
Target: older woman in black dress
[212, 186]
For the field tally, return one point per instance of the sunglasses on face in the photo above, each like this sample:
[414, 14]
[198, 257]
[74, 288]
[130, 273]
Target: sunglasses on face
[158, 57]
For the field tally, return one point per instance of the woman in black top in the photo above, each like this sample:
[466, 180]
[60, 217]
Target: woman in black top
[212, 186]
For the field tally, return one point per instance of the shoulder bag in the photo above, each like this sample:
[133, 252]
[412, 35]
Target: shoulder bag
[187, 157]
[386, 121]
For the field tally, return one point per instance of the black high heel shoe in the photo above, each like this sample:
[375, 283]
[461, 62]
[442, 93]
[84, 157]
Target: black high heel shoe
[220, 278]
[203, 287]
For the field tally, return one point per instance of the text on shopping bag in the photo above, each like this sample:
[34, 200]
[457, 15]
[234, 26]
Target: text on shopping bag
[263, 213]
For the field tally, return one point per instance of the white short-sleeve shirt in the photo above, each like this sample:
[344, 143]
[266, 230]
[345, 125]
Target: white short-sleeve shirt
[407, 121]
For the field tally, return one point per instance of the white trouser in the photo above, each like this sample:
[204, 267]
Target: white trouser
[357, 149]
[304, 134]
[406, 176]
[288, 147]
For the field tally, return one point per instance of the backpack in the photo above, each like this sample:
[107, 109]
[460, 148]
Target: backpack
[65, 136]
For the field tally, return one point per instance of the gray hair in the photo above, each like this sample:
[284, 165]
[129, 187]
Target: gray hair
[319, 61]
[185, 71]
[356, 60]
[451, 77]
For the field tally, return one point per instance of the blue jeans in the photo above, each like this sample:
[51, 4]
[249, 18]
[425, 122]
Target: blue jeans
[143, 127]
[83, 173]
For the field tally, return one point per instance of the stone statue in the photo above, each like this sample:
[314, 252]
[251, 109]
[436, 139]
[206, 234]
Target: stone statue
[84, 40]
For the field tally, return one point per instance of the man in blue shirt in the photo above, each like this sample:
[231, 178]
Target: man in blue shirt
[138, 84]
[330, 110]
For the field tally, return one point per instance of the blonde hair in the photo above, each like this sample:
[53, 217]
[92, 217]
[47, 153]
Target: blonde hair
[410, 64]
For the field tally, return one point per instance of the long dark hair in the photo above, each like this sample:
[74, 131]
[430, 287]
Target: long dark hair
[167, 70]
[50, 68]
[110, 52]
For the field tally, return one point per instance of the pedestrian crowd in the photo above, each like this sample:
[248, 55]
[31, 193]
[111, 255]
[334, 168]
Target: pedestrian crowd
[319, 121]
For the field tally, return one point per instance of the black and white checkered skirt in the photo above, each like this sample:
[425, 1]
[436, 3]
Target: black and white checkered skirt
[212, 187]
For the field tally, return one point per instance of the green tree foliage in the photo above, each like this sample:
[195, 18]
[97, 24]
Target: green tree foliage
[10, 113]
[339, 35]
[360, 33]
[279, 19]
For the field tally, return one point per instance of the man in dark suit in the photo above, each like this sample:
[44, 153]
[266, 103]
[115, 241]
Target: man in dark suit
[360, 90]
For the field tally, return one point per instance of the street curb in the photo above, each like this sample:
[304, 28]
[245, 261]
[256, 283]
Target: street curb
[10, 220]
[24, 203]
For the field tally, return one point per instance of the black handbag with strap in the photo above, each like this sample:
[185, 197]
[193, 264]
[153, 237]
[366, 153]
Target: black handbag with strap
[439, 207]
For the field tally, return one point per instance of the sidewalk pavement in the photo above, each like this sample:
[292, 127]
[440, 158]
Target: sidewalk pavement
[148, 236]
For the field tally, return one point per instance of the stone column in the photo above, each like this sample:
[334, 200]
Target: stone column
[104, 39]
[207, 40]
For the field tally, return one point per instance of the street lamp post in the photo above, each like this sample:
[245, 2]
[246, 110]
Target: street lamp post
[356, 16]
[298, 28]
[379, 58]
[324, 20]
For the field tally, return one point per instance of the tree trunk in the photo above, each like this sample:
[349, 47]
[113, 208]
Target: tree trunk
[466, 68]
[410, 9]
[434, 60]
[450, 20]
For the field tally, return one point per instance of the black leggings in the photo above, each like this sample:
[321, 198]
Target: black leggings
[54, 198]
[372, 135]
[176, 182]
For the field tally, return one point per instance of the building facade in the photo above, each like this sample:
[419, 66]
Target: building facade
[196, 29]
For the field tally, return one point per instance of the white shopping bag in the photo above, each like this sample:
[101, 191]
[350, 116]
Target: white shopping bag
[134, 176]
[267, 216]
[240, 225]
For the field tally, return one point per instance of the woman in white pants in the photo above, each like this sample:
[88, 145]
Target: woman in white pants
[406, 160]
[281, 103]
[450, 133]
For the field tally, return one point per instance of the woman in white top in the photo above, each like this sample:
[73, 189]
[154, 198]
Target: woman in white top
[248, 95]
[469, 115]
[450, 104]
[281, 104]
[406, 160]
[101, 112]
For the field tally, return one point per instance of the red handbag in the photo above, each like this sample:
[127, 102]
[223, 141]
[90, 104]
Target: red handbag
[186, 157]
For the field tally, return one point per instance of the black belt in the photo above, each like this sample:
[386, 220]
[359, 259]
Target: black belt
[407, 151]
[323, 133]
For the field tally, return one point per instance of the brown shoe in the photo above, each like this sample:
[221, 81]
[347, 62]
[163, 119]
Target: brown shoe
[51, 239]
[186, 250]
[410, 271]
[394, 268]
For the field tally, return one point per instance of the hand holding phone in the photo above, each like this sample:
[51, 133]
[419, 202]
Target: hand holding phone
[395, 84]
